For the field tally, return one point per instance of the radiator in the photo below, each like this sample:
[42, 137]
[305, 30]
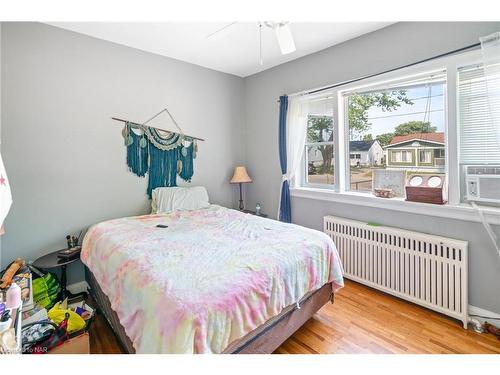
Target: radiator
[427, 270]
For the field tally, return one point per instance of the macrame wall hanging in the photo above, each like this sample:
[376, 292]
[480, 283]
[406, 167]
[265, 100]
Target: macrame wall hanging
[162, 155]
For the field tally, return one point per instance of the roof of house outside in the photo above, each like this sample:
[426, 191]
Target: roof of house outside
[360, 145]
[431, 137]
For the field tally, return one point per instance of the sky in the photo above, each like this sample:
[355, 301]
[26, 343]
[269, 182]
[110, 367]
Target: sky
[407, 113]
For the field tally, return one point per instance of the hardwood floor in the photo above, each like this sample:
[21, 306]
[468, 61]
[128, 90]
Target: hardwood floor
[102, 338]
[362, 320]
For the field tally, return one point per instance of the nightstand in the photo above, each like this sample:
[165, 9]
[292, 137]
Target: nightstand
[52, 260]
[254, 213]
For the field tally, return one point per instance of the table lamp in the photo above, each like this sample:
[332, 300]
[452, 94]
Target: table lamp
[240, 176]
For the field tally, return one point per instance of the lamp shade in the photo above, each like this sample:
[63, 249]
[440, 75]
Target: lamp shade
[240, 176]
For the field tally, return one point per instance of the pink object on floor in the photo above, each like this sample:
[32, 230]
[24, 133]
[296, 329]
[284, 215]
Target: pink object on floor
[13, 300]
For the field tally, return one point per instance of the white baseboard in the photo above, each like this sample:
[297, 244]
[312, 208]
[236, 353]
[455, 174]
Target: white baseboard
[78, 287]
[473, 310]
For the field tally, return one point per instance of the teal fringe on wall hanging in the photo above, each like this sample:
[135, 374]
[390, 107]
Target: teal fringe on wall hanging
[163, 157]
[137, 152]
[162, 168]
[186, 156]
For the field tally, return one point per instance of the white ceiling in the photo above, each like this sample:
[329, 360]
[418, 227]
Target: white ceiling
[233, 50]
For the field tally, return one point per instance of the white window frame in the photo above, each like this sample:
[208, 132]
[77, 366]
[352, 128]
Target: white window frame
[454, 208]
[305, 162]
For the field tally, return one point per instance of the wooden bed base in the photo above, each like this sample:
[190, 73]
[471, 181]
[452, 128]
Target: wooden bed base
[263, 340]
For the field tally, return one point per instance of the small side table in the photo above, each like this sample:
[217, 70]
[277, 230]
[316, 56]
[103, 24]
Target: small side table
[254, 213]
[50, 261]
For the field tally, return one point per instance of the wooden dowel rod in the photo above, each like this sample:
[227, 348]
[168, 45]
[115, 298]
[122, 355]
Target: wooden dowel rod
[132, 122]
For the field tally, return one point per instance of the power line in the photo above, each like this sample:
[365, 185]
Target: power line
[406, 114]
[426, 97]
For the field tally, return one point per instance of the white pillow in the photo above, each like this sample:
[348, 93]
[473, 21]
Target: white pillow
[170, 199]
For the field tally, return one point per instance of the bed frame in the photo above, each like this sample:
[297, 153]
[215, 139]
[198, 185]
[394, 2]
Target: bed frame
[265, 339]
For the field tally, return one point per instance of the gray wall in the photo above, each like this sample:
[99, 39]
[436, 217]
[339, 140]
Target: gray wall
[66, 158]
[387, 48]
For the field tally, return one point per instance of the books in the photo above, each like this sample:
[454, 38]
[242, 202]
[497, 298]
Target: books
[69, 253]
[35, 314]
[24, 280]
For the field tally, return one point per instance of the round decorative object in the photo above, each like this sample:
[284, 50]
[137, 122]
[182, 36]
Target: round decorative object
[165, 141]
[184, 151]
[129, 141]
[143, 143]
[125, 131]
[416, 181]
[434, 181]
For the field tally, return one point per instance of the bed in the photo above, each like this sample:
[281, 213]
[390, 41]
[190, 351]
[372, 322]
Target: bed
[208, 280]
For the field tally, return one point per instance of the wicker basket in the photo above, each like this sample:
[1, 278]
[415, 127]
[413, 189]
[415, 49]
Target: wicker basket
[384, 193]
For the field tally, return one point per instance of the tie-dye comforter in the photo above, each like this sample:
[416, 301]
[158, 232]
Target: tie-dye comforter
[208, 279]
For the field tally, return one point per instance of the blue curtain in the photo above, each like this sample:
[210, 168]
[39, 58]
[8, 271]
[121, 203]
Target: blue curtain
[285, 213]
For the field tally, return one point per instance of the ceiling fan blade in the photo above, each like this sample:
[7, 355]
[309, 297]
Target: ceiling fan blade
[285, 38]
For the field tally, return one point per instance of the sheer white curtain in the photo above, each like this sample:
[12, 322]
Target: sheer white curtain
[490, 48]
[296, 130]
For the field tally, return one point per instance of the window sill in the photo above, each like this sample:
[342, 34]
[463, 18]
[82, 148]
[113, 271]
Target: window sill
[458, 212]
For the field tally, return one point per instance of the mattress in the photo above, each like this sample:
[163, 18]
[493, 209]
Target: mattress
[265, 339]
[207, 278]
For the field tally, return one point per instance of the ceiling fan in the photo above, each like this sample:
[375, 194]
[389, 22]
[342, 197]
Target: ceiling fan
[282, 31]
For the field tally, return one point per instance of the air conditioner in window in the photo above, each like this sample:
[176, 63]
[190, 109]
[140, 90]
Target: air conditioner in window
[483, 183]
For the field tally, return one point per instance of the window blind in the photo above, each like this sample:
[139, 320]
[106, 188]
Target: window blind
[479, 140]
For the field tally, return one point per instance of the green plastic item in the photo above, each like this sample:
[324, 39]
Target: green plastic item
[46, 288]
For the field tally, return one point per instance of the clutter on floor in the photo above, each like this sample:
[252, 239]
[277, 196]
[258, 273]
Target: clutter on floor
[33, 319]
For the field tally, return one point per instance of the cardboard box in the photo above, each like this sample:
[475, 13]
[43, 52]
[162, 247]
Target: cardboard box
[76, 345]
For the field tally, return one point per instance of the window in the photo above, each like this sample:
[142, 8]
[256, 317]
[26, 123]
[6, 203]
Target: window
[479, 136]
[439, 153]
[479, 140]
[424, 157]
[398, 120]
[401, 156]
[319, 151]
[431, 118]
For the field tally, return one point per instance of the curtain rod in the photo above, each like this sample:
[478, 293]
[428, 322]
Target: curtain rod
[392, 70]
[132, 122]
